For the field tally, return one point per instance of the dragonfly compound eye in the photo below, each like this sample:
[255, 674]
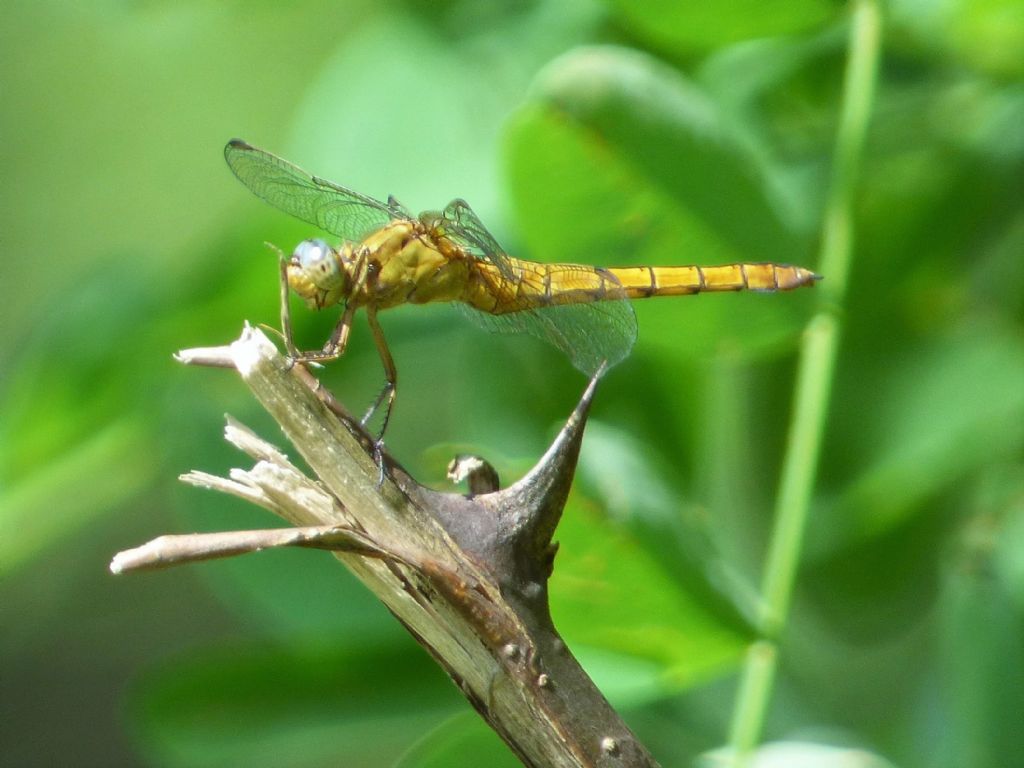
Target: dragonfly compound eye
[317, 262]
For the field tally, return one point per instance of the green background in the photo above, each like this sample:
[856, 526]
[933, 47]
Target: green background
[611, 133]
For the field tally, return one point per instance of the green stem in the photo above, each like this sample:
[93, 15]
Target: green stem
[814, 381]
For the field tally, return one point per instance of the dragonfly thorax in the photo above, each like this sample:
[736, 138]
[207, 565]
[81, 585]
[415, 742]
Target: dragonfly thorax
[317, 274]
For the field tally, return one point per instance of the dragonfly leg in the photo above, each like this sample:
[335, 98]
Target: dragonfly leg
[333, 348]
[286, 312]
[390, 374]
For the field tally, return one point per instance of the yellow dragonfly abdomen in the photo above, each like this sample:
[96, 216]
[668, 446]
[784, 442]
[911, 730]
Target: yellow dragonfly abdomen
[642, 282]
[534, 285]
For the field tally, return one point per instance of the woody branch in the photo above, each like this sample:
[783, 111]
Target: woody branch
[467, 576]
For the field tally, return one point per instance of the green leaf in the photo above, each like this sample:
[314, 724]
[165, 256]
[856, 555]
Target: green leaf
[449, 154]
[937, 415]
[464, 741]
[675, 26]
[988, 35]
[980, 627]
[647, 132]
[641, 629]
[86, 481]
[1008, 549]
[303, 707]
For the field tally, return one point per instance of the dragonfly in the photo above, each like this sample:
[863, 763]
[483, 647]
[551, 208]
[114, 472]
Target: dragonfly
[388, 257]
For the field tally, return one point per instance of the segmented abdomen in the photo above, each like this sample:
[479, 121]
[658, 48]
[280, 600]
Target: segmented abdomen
[533, 284]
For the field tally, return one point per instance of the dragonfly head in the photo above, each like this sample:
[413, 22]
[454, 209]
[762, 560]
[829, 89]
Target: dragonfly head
[315, 273]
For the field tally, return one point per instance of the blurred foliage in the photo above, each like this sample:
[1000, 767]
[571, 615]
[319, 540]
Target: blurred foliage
[603, 132]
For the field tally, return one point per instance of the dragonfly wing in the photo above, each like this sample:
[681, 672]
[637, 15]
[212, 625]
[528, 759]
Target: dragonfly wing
[322, 203]
[589, 332]
[462, 226]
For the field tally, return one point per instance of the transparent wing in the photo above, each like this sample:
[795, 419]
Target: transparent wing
[590, 319]
[462, 226]
[588, 316]
[329, 206]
